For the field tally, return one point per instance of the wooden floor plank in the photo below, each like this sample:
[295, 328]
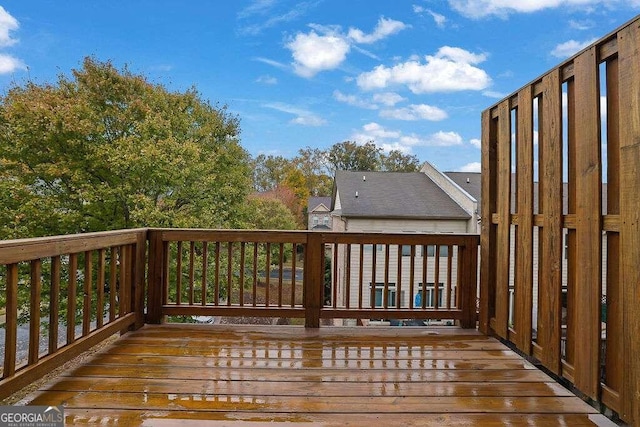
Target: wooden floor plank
[256, 419]
[304, 404]
[209, 375]
[243, 388]
[300, 363]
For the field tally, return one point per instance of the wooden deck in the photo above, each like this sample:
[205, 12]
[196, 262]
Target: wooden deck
[169, 375]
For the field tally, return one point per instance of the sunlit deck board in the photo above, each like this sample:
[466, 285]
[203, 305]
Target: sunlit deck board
[210, 375]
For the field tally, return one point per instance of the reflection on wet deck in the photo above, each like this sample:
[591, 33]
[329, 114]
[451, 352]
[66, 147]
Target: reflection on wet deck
[213, 375]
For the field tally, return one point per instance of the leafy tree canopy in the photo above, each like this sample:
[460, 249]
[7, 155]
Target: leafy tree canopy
[106, 149]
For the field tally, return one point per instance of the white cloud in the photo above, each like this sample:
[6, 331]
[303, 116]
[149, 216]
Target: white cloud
[7, 23]
[313, 53]
[476, 142]
[439, 19]
[257, 7]
[587, 24]
[384, 28]
[450, 69]
[9, 64]
[415, 112]
[471, 167]
[353, 100]
[482, 8]
[303, 117]
[267, 80]
[567, 49]
[388, 98]
[390, 139]
[260, 8]
[494, 94]
[271, 62]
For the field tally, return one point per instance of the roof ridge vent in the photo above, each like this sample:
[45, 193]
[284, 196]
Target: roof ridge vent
[364, 177]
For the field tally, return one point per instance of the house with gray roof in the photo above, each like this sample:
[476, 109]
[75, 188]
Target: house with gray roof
[319, 214]
[398, 202]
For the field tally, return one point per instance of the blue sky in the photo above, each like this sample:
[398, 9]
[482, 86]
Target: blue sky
[409, 75]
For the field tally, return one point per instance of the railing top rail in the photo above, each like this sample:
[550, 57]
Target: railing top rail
[19, 250]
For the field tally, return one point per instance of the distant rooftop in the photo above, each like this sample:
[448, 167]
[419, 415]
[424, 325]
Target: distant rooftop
[394, 195]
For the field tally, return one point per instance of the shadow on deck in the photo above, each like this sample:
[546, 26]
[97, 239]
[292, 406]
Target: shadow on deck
[217, 375]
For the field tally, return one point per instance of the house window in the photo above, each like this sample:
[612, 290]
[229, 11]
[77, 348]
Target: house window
[431, 251]
[369, 248]
[391, 295]
[406, 250]
[430, 296]
[325, 220]
[315, 220]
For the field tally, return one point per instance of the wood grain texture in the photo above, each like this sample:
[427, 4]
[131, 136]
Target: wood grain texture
[329, 376]
[550, 283]
[629, 58]
[588, 282]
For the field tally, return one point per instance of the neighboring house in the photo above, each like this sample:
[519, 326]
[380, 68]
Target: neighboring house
[398, 202]
[319, 213]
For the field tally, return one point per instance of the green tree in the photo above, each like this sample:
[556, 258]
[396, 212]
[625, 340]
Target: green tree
[350, 156]
[396, 161]
[106, 149]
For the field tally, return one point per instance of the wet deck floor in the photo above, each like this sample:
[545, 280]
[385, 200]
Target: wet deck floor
[207, 375]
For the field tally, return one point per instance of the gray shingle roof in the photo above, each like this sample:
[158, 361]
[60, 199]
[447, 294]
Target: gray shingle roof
[473, 187]
[394, 195]
[314, 202]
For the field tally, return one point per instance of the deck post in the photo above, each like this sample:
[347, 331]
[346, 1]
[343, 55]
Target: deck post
[313, 279]
[139, 278]
[468, 281]
[156, 277]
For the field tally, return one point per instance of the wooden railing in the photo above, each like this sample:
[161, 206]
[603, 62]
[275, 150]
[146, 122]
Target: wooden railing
[73, 292]
[578, 246]
[312, 275]
[76, 291]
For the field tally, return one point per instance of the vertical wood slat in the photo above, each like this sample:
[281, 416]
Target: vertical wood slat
[71, 295]
[372, 285]
[614, 344]
[229, 272]
[216, 275]
[488, 239]
[280, 273]
[449, 276]
[385, 296]
[254, 289]
[192, 250]
[113, 265]
[436, 277]
[360, 276]
[468, 273]
[334, 288]
[179, 273]
[100, 289]
[347, 291]
[524, 254]
[629, 81]
[550, 283]
[398, 301]
[205, 265]
[34, 311]
[11, 321]
[503, 230]
[86, 301]
[267, 270]
[242, 270]
[412, 275]
[124, 263]
[588, 228]
[54, 304]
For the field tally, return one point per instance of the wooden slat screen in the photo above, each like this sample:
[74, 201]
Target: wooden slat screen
[583, 241]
